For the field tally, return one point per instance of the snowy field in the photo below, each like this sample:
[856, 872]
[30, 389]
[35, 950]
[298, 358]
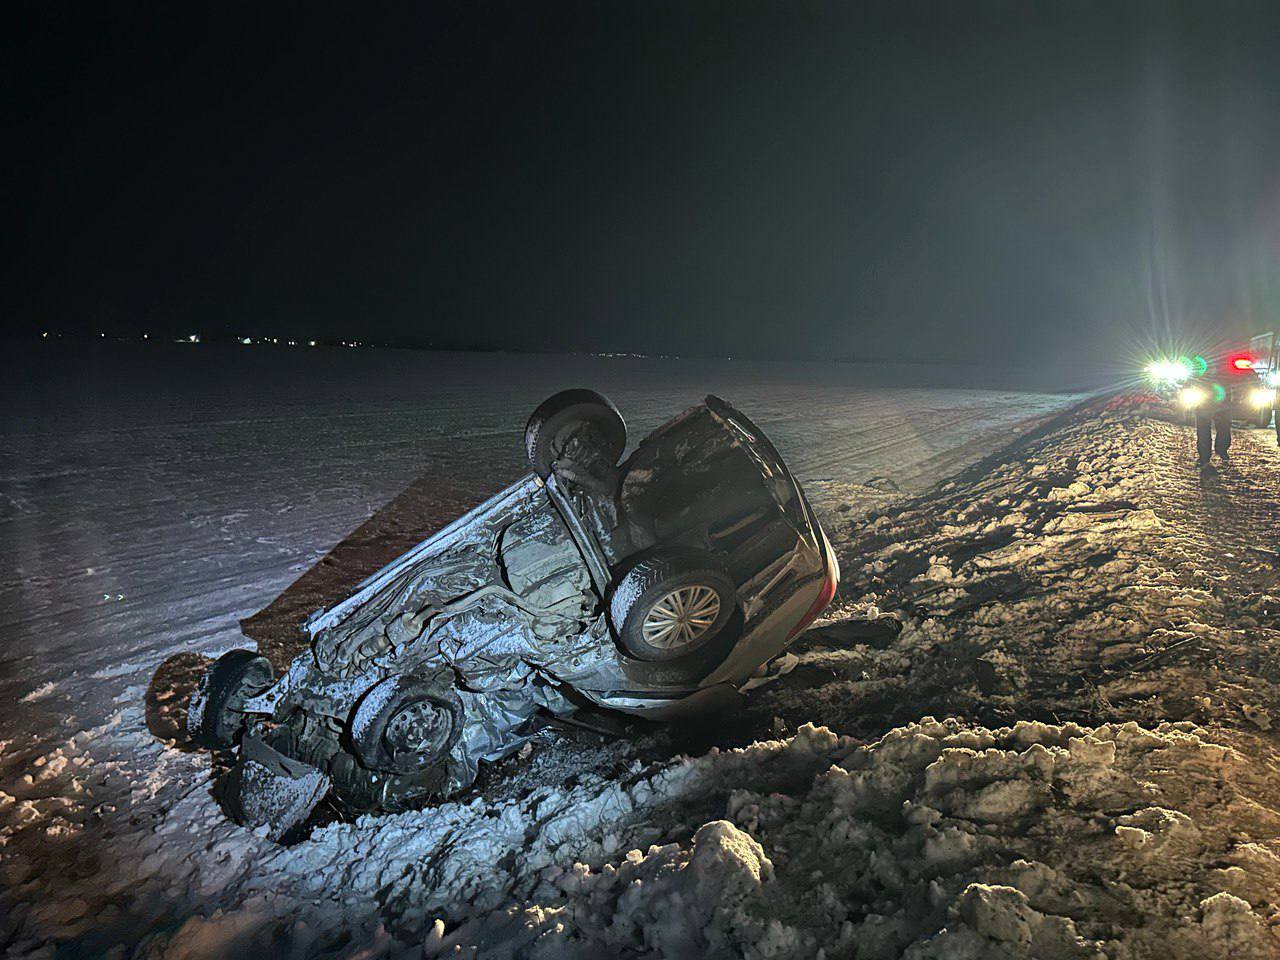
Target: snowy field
[150, 499]
[153, 498]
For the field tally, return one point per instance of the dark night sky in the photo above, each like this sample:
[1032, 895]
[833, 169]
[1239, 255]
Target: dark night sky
[939, 180]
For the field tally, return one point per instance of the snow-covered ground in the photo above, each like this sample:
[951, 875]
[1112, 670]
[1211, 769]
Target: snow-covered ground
[1100, 621]
[151, 498]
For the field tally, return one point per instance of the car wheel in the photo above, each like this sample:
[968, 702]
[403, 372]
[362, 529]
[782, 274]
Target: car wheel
[215, 716]
[402, 727]
[566, 419]
[670, 605]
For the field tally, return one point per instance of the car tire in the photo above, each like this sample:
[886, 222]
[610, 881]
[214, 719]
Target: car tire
[671, 605]
[215, 715]
[395, 718]
[562, 415]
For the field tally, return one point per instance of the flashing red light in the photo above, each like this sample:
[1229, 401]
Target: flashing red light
[1242, 363]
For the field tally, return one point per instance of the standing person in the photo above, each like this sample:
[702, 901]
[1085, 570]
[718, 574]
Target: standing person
[1213, 416]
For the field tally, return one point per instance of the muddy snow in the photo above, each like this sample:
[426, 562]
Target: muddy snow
[1092, 623]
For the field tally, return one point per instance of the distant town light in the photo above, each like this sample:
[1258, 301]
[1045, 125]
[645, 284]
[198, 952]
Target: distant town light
[246, 340]
[311, 343]
[194, 338]
[145, 335]
[45, 334]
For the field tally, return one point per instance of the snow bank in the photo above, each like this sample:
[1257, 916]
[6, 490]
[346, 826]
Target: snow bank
[942, 840]
[938, 840]
[1097, 575]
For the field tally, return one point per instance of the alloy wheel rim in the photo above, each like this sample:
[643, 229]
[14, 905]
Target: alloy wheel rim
[681, 617]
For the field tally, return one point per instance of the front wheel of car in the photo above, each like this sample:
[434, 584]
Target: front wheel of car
[215, 715]
[404, 725]
[671, 605]
[576, 426]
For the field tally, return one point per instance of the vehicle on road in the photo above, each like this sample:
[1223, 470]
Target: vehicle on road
[1243, 382]
[1236, 387]
[656, 587]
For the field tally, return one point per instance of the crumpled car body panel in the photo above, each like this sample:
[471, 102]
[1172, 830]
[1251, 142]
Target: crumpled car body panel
[502, 613]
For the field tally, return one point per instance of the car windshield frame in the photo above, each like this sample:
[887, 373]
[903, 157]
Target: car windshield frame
[779, 479]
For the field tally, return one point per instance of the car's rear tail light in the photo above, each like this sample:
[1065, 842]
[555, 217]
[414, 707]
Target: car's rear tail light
[1242, 363]
[824, 597]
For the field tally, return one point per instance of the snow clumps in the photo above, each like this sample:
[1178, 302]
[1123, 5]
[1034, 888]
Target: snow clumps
[943, 841]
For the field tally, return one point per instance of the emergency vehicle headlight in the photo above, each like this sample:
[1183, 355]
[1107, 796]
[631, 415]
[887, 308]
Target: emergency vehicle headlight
[1168, 370]
[1191, 397]
[1262, 397]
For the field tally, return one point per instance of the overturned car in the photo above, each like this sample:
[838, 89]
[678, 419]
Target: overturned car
[654, 587]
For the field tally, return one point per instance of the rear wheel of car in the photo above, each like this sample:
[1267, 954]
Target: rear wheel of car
[569, 419]
[215, 716]
[403, 726]
[671, 605]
